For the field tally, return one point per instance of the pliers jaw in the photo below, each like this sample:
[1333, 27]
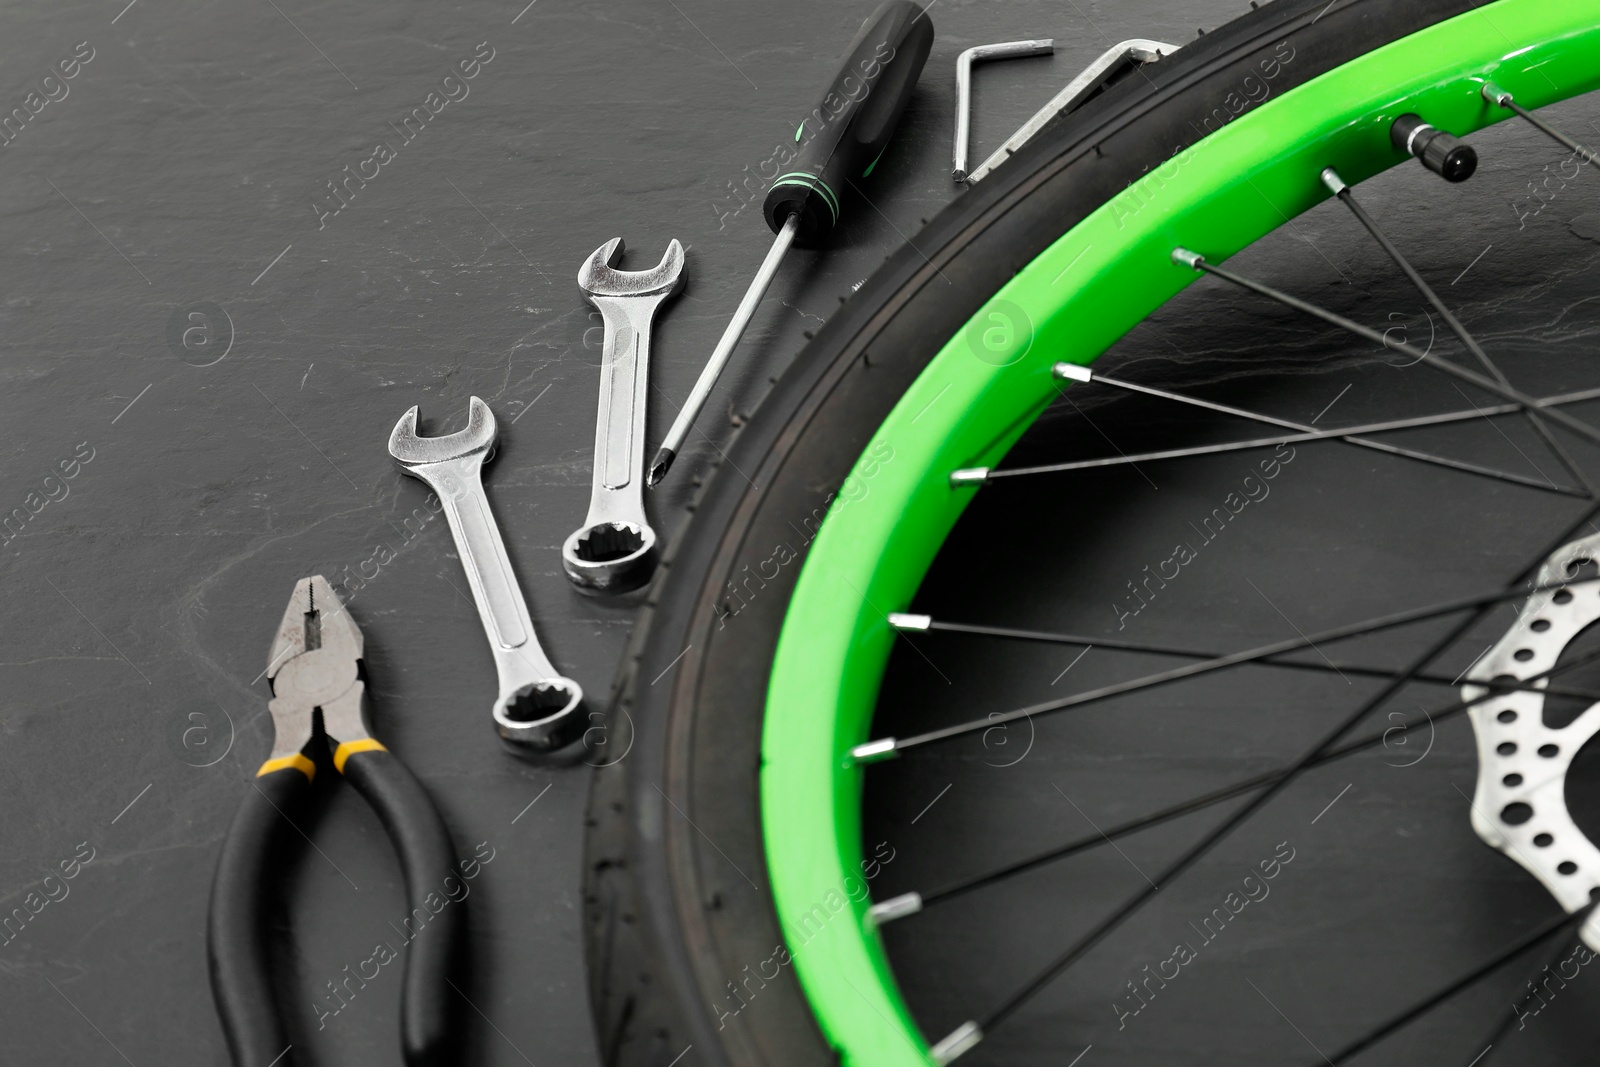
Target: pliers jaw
[316, 664]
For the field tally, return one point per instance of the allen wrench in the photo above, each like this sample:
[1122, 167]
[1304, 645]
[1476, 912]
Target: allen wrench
[1135, 52]
[1006, 50]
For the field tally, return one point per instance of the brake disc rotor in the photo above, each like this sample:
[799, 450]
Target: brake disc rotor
[1520, 805]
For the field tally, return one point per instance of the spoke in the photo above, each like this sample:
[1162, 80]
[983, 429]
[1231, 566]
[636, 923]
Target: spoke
[1488, 385]
[1077, 373]
[1496, 95]
[922, 623]
[1511, 952]
[1331, 179]
[1221, 794]
[983, 474]
[890, 746]
[1203, 846]
[1175, 811]
[1520, 1005]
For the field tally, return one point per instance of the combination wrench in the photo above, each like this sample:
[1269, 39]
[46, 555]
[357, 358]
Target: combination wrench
[615, 550]
[537, 707]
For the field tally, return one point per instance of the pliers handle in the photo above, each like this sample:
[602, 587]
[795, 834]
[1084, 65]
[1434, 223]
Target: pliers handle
[237, 953]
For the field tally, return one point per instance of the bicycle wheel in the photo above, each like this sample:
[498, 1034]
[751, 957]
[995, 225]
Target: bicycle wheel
[740, 930]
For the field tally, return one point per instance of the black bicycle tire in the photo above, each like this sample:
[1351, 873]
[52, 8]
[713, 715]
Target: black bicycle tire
[672, 930]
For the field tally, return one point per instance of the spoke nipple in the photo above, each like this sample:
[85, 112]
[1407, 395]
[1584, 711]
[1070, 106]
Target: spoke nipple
[1495, 95]
[1189, 259]
[969, 476]
[957, 1041]
[1072, 372]
[888, 911]
[907, 623]
[1331, 179]
[873, 751]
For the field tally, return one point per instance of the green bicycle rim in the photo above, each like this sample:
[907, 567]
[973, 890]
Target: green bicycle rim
[1076, 299]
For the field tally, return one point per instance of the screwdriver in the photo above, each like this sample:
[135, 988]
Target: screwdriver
[841, 140]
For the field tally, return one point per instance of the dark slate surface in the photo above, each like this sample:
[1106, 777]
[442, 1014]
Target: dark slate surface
[178, 176]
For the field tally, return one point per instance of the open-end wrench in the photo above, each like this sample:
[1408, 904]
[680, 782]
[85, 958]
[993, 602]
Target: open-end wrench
[537, 706]
[615, 550]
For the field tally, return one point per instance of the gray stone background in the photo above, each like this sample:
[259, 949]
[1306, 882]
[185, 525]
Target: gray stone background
[177, 177]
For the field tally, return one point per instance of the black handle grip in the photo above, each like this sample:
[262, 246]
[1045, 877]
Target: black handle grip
[842, 137]
[435, 893]
[236, 947]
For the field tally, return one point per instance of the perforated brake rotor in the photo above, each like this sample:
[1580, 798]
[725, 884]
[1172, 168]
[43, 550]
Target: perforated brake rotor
[1520, 805]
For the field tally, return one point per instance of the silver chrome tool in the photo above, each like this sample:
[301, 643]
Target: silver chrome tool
[537, 706]
[615, 550]
[1137, 52]
[981, 53]
[678, 433]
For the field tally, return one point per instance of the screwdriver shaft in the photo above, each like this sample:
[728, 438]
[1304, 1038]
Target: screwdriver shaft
[719, 357]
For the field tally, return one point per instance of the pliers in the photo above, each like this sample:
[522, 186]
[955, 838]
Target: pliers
[316, 666]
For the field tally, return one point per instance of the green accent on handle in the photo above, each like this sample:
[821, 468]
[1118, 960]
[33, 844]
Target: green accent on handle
[874, 162]
[1082, 294]
[798, 130]
[811, 181]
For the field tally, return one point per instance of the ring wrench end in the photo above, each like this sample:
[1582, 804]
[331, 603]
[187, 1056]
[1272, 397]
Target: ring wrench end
[610, 558]
[541, 717]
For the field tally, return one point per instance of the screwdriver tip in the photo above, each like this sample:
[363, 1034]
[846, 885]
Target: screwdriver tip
[659, 467]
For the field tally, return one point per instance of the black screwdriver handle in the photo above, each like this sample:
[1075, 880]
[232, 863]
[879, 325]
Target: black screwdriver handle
[435, 895]
[842, 137]
[236, 938]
